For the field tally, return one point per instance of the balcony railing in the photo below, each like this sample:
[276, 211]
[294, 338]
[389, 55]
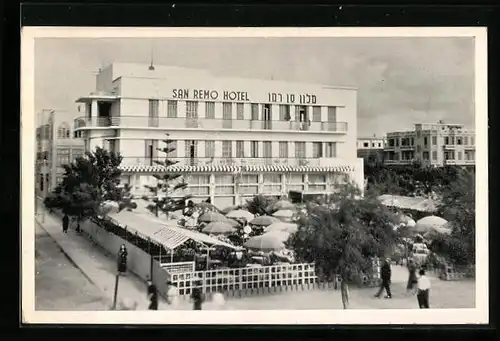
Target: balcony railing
[450, 162]
[470, 147]
[449, 146]
[207, 124]
[199, 161]
[398, 162]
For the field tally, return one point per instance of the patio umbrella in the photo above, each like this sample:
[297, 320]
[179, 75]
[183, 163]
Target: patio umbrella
[282, 205]
[212, 216]
[206, 207]
[283, 214]
[264, 220]
[265, 242]
[280, 226]
[426, 224]
[280, 235]
[229, 209]
[240, 214]
[231, 222]
[218, 227]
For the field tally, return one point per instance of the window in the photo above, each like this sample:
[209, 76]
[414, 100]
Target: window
[365, 144]
[301, 113]
[459, 155]
[283, 152]
[254, 149]
[459, 142]
[332, 114]
[249, 179]
[466, 140]
[62, 157]
[171, 108]
[379, 144]
[223, 179]
[317, 149]
[296, 178]
[272, 178]
[240, 111]
[472, 141]
[419, 148]
[191, 149]
[240, 149]
[425, 156]
[331, 149]
[373, 144]
[227, 149]
[268, 149]
[434, 155]
[434, 140]
[191, 109]
[390, 142]
[209, 148]
[300, 150]
[227, 110]
[209, 109]
[285, 112]
[151, 151]
[63, 132]
[317, 178]
[153, 112]
[255, 111]
[316, 114]
[397, 142]
[172, 145]
[77, 153]
[446, 140]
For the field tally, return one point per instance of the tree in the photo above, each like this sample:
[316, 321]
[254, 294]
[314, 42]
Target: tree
[344, 235]
[87, 183]
[260, 205]
[164, 197]
[458, 206]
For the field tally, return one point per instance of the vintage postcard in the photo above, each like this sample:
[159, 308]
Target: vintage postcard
[255, 175]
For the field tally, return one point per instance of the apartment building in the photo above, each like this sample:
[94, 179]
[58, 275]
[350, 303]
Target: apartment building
[55, 147]
[234, 137]
[371, 149]
[434, 144]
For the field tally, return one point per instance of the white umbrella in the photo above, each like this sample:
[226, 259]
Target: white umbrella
[264, 220]
[240, 214]
[265, 242]
[218, 227]
[281, 226]
[426, 224]
[284, 213]
[280, 235]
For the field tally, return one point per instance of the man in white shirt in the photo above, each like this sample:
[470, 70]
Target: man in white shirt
[423, 288]
[172, 295]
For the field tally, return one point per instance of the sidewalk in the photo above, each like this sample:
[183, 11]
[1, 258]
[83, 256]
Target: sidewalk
[98, 267]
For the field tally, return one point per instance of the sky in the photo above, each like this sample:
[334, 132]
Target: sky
[400, 81]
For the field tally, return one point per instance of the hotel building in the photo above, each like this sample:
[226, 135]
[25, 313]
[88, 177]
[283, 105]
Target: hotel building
[432, 144]
[235, 138]
[371, 149]
[55, 146]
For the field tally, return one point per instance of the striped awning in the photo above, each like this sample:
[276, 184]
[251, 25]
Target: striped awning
[296, 169]
[179, 168]
[233, 168]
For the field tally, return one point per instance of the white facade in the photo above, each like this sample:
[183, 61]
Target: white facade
[220, 121]
[435, 144]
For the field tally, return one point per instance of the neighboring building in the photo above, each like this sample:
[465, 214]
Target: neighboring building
[56, 146]
[435, 144]
[371, 149]
[234, 137]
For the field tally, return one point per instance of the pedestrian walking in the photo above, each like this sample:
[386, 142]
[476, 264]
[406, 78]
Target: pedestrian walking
[172, 294]
[423, 288]
[122, 259]
[152, 296]
[412, 276]
[65, 223]
[385, 274]
[197, 297]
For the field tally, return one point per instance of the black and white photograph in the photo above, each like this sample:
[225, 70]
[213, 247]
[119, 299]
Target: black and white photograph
[258, 175]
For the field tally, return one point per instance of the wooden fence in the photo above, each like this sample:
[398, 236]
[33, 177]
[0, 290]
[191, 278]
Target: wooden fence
[249, 278]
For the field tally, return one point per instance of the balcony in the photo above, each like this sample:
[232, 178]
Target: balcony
[449, 147]
[470, 147]
[407, 147]
[207, 124]
[398, 162]
[200, 161]
[450, 162]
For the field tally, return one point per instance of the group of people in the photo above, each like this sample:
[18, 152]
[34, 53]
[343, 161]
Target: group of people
[65, 224]
[419, 285]
[197, 296]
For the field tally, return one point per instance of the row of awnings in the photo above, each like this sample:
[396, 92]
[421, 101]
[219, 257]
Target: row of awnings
[139, 168]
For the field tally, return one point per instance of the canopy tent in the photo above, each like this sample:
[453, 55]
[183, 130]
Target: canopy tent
[420, 204]
[163, 232]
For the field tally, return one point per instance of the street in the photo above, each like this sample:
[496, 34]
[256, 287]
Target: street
[60, 285]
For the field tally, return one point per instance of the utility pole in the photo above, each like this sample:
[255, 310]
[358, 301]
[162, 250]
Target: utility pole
[116, 291]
